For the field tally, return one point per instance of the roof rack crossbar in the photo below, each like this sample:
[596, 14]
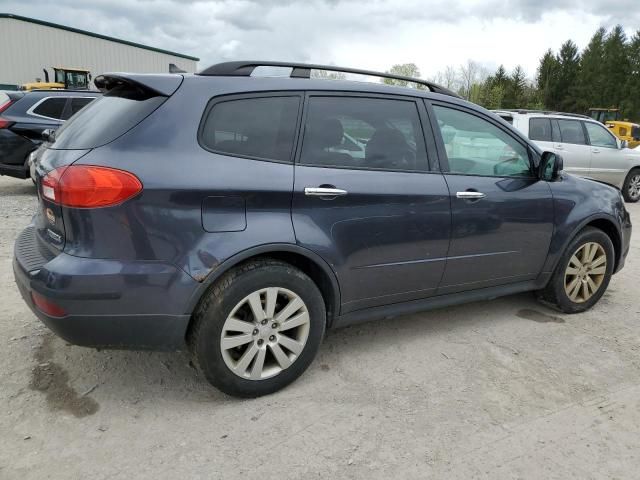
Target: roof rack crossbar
[303, 70]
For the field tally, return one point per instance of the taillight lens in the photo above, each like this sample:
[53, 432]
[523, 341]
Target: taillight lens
[89, 186]
[5, 123]
[47, 306]
[5, 105]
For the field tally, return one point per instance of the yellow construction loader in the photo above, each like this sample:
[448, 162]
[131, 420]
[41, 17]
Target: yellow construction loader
[64, 79]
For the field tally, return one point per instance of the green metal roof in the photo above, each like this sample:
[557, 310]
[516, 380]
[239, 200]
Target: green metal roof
[95, 35]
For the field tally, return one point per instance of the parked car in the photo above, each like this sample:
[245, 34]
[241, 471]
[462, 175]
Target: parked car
[210, 212]
[23, 118]
[588, 148]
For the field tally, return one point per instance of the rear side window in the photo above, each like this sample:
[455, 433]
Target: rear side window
[262, 128]
[51, 107]
[106, 118]
[357, 132]
[540, 129]
[78, 104]
[571, 132]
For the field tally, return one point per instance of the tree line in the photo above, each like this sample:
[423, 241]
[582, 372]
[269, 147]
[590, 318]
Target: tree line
[606, 74]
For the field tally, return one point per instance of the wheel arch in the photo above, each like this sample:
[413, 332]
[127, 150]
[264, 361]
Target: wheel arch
[306, 260]
[605, 223]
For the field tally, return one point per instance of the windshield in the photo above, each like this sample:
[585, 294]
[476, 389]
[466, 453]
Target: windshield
[106, 118]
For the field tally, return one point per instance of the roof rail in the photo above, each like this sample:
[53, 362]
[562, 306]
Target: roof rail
[245, 68]
[543, 112]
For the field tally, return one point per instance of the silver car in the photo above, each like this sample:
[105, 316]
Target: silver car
[588, 148]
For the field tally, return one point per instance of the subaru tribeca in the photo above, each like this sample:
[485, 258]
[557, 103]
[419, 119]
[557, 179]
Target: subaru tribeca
[240, 216]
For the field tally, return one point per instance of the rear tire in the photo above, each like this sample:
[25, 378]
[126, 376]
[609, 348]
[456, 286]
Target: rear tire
[631, 187]
[582, 274]
[242, 339]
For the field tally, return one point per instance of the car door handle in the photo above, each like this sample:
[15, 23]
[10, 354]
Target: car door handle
[595, 150]
[470, 195]
[558, 147]
[324, 192]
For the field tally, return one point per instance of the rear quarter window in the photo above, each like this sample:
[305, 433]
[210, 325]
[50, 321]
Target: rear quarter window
[50, 107]
[257, 127]
[106, 118]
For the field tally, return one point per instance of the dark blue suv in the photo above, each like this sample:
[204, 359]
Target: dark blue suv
[240, 216]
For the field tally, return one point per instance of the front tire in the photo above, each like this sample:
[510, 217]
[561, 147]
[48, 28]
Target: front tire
[582, 274]
[258, 328]
[631, 187]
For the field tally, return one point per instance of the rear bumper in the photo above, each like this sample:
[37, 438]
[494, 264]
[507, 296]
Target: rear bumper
[108, 303]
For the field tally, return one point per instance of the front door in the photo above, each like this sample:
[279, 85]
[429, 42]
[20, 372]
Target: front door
[502, 215]
[367, 201]
[608, 162]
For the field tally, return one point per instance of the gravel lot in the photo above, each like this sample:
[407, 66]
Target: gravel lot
[501, 389]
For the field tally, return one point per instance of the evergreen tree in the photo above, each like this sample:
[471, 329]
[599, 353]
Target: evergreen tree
[593, 76]
[631, 102]
[547, 80]
[514, 90]
[568, 73]
[617, 65]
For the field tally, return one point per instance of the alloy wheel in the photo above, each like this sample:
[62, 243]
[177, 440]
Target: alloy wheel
[586, 272]
[265, 333]
[634, 187]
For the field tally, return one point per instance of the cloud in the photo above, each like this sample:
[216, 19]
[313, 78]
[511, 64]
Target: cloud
[361, 33]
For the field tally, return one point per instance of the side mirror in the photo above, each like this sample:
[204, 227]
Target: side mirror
[624, 144]
[48, 135]
[550, 166]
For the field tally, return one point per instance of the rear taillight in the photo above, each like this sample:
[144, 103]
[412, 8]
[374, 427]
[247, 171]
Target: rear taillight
[5, 105]
[5, 123]
[89, 186]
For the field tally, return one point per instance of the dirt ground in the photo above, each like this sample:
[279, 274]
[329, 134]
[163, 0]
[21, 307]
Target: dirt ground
[502, 389]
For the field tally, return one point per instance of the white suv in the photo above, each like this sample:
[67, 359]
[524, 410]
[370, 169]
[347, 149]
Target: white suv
[587, 147]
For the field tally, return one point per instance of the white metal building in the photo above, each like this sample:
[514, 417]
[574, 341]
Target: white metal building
[28, 45]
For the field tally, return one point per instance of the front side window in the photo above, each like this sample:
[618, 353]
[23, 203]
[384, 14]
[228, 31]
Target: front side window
[475, 146]
[262, 128]
[571, 132]
[635, 132]
[51, 108]
[358, 132]
[600, 136]
[540, 129]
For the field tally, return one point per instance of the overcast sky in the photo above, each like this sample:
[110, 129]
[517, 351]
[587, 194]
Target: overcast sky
[371, 34]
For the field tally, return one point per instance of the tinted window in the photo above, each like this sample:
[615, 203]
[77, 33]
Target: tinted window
[571, 132]
[540, 129]
[367, 133]
[51, 107]
[475, 146]
[252, 127]
[556, 131]
[106, 118]
[78, 104]
[600, 136]
[635, 133]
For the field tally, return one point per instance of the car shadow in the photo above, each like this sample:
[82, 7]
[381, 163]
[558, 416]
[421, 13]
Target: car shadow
[76, 378]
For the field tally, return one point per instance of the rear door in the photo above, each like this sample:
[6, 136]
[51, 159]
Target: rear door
[502, 214]
[544, 132]
[367, 200]
[573, 147]
[608, 162]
